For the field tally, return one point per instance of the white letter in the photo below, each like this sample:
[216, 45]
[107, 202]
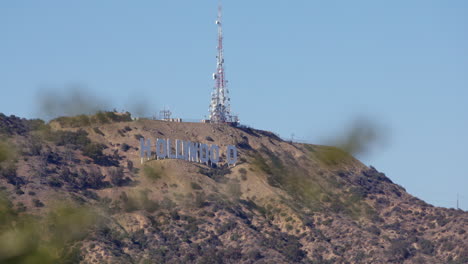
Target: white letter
[161, 148]
[186, 150]
[169, 150]
[214, 154]
[145, 149]
[179, 150]
[231, 155]
[193, 152]
[204, 153]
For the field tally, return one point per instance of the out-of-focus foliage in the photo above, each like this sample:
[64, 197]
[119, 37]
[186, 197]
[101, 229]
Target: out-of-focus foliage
[74, 101]
[138, 200]
[331, 156]
[360, 138]
[5, 152]
[26, 239]
[8, 163]
[78, 101]
[77, 107]
[152, 172]
[97, 119]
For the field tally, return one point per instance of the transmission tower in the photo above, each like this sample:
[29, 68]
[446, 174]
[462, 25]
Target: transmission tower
[165, 114]
[220, 107]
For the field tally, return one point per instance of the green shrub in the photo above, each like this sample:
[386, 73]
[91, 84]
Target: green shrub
[117, 177]
[328, 222]
[21, 207]
[360, 255]
[8, 171]
[234, 237]
[54, 182]
[129, 203]
[93, 179]
[426, 247]
[217, 174]
[130, 165]
[261, 164]
[149, 205]
[96, 119]
[243, 173]
[78, 139]
[11, 125]
[229, 225]
[94, 151]
[288, 245]
[138, 137]
[73, 121]
[80, 180]
[125, 147]
[98, 131]
[399, 250]
[253, 254]
[38, 203]
[195, 186]
[200, 200]
[91, 195]
[101, 118]
[374, 230]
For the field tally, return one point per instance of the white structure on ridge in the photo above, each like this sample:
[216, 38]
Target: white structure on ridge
[220, 107]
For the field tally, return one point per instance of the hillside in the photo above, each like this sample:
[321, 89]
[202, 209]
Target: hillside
[74, 191]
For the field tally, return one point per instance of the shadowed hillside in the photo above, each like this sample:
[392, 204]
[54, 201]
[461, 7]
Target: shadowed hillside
[77, 186]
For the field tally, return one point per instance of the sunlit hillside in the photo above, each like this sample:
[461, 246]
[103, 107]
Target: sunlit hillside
[75, 191]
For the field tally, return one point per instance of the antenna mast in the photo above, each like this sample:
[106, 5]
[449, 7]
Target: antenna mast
[220, 107]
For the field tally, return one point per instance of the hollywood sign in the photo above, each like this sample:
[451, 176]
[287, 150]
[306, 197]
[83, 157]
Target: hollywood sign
[186, 150]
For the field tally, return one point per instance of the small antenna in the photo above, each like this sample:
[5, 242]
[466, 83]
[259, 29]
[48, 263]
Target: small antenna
[457, 201]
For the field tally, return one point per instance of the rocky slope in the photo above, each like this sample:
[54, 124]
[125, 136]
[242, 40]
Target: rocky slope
[78, 185]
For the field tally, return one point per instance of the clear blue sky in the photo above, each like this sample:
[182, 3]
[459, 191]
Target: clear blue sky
[303, 67]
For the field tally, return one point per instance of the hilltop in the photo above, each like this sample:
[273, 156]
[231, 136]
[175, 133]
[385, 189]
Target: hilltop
[283, 202]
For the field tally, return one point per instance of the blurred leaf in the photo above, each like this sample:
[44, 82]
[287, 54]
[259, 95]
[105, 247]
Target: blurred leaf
[360, 138]
[70, 223]
[28, 239]
[5, 152]
[152, 173]
[75, 100]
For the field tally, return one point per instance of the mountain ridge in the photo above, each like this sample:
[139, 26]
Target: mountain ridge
[283, 202]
